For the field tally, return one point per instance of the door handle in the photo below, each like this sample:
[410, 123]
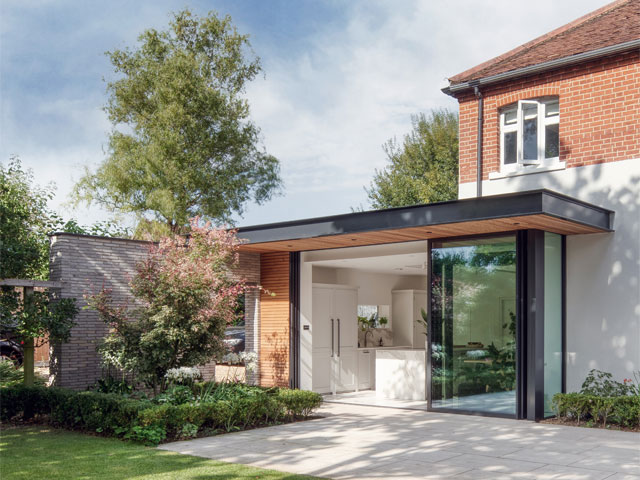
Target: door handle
[338, 338]
[332, 340]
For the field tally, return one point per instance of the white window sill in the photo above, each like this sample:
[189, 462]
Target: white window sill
[528, 171]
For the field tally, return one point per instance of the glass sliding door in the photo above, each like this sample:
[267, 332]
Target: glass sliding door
[473, 325]
[553, 348]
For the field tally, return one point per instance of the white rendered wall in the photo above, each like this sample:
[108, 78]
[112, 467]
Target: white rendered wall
[306, 293]
[603, 270]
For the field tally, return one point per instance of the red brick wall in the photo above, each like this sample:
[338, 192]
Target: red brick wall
[599, 114]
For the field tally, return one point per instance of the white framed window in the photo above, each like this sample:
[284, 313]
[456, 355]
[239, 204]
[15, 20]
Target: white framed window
[529, 134]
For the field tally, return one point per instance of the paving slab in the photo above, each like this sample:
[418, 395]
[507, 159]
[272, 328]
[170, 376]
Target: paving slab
[364, 442]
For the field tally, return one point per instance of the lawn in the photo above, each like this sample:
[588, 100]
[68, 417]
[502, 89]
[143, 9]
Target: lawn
[42, 452]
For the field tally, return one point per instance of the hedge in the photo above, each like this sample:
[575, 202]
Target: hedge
[620, 410]
[149, 422]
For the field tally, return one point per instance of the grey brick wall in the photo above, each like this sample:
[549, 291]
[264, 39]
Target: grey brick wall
[86, 264]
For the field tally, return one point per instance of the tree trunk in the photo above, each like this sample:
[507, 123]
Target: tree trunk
[28, 351]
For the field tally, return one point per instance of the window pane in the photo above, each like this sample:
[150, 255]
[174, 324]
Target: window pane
[552, 140]
[530, 132]
[552, 109]
[510, 117]
[510, 147]
[473, 312]
[552, 319]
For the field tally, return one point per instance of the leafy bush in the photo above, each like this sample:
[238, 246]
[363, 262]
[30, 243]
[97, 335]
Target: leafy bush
[602, 384]
[9, 374]
[112, 385]
[622, 410]
[151, 435]
[225, 408]
[299, 403]
[176, 395]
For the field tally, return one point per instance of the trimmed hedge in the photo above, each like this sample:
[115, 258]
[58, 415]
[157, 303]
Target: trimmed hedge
[151, 423]
[621, 410]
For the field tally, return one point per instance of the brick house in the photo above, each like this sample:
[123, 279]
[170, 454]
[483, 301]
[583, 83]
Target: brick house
[528, 280]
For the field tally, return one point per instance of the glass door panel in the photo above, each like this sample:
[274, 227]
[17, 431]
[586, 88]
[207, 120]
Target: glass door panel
[473, 323]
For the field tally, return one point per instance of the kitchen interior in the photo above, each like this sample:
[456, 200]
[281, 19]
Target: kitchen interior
[368, 331]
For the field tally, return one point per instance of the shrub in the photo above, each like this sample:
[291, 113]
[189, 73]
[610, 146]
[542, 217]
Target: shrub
[602, 384]
[621, 410]
[299, 403]
[151, 435]
[9, 374]
[226, 408]
[112, 385]
[176, 395]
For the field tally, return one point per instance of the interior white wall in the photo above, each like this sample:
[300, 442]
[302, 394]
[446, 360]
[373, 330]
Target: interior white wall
[603, 270]
[373, 288]
[306, 293]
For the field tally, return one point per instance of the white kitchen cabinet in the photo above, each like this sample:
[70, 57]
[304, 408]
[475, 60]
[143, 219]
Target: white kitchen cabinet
[366, 368]
[334, 338]
[405, 311]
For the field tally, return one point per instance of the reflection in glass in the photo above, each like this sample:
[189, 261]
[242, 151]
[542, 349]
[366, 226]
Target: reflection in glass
[552, 319]
[510, 147]
[473, 311]
[530, 132]
[552, 141]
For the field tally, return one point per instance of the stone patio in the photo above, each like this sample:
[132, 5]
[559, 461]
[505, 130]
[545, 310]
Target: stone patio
[365, 442]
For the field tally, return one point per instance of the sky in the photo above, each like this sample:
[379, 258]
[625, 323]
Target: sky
[340, 79]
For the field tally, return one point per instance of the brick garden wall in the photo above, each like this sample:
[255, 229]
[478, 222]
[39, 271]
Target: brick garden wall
[86, 264]
[599, 114]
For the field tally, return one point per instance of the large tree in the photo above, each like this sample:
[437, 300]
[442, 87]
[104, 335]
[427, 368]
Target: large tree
[187, 147]
[24, 222]
[423, 168]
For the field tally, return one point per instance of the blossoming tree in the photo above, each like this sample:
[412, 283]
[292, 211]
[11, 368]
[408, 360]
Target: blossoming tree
[185, 296]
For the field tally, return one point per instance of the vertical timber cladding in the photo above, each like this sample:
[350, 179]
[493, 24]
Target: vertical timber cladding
[274, 319]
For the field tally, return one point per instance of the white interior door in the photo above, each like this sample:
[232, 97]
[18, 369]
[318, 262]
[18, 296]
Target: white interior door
[322, 334]
[346, 331]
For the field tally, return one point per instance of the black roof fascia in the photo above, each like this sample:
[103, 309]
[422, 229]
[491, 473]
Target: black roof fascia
[456, 211]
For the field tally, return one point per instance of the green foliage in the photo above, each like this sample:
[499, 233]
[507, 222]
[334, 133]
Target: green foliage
[424, 168]
[602, 384]
[620, 410]
[175, 395]
[299, 403]
[189, 147]
[24, 223]
[110, 384]
[9, 373]
[187, 296]
[233, 408]
[37, 315]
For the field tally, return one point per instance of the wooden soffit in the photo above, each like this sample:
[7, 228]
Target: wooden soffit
[539, 209]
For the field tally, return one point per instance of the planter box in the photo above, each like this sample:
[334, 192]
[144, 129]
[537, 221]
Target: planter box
[230, 373]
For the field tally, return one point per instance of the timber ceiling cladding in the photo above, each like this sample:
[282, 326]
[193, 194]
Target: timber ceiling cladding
[539, 209]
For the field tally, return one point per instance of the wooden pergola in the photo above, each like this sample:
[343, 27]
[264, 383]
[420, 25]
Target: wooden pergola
[27, 287]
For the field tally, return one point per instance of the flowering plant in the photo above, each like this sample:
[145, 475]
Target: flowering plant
[183, 375]
[186, 295]
[248, 359]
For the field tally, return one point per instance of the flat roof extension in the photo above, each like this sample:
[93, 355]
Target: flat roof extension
[536, 209]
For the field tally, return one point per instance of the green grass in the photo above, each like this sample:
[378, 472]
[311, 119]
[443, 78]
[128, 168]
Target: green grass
[46, 453]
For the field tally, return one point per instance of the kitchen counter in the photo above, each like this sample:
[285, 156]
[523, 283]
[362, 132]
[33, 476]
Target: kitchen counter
[401, 373]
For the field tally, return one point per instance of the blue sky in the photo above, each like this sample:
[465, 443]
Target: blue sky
[341, 78]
